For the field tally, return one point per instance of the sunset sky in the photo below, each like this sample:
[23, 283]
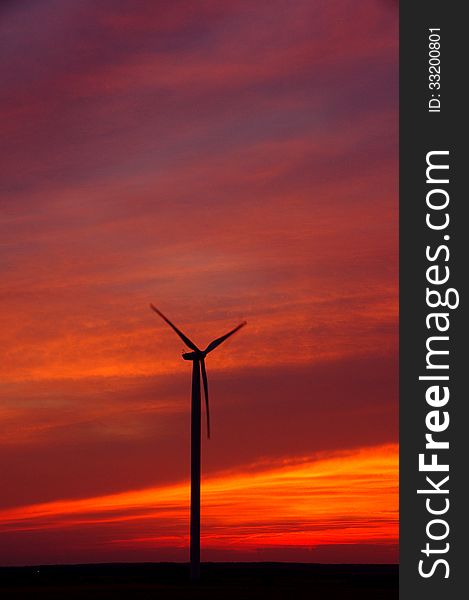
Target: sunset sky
[225, 161]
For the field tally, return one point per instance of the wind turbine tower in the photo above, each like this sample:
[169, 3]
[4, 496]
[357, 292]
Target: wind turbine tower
[197, 357]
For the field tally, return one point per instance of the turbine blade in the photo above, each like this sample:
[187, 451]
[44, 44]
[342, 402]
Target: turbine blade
[205, 380]
[221, 339]
[183, 337]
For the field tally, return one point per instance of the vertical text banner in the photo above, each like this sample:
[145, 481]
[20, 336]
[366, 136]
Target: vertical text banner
[434, 253]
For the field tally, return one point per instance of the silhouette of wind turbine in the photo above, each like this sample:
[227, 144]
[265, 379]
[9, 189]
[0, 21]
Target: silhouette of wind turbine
[197, 357]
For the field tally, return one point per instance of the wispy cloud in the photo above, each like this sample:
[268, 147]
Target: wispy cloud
[227, 161]
[342, 498]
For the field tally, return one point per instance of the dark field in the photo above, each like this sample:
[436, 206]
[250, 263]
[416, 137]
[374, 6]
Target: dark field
[220, 581]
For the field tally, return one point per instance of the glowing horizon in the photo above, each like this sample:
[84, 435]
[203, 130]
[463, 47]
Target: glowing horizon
[353, 495]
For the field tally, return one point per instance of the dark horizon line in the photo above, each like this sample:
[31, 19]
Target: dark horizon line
[208, 562]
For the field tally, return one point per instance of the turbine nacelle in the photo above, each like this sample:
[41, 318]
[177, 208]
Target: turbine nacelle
[193, 355]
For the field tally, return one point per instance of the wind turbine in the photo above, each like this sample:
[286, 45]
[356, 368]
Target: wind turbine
[197, 357]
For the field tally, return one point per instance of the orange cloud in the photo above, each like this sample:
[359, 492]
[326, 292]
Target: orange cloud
[348, 497]
[227, 162]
